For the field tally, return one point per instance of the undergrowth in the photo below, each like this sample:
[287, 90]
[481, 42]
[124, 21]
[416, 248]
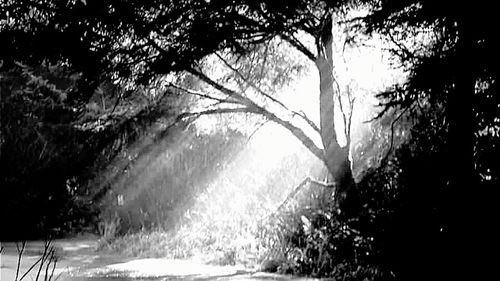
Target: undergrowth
[242, 216]
[224, 219]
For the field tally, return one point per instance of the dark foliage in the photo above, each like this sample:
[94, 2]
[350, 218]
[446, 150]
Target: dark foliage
[453, 71]
[138, 39]
[405, 227]
[37, 151]
[49, 148]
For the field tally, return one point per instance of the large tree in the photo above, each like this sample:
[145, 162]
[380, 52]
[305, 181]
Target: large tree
[137, 42]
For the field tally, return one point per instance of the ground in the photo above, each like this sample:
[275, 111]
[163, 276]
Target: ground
[79, 261]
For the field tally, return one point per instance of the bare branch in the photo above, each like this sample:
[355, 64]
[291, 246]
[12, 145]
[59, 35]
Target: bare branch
[386, 157]
[307, 180]
[262, 67]
[299, 46]
[346, 120]
[349, 123]
[292, 194]
[380, 114]
[303, 115]
[322, 184]
[20, 254]
[187, 115]
[54, 264]
[257, 129]
[344, 116]
[298, 133]
[49, 253]
[46, 248]
[31, 268]
[404, 52]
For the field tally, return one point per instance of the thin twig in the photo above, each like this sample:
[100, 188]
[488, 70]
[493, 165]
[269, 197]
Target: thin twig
[20, 254]
[118, 99]
[350, 123]
[292, 194]
[51, 257]
[262, 67]
[307, 180]
[392, 135]
[203, 95]
[31, 268]
[303, 115]
[260, 91]
[44, 257]
[214, 111]
[54, 263]
[344, 116]
[322, 184]
[257, 129]
[43, 150]
[299, 46]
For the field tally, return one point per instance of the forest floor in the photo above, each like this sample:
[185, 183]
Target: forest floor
[78, 260]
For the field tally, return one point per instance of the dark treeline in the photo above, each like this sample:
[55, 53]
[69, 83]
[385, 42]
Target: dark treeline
[51, 146]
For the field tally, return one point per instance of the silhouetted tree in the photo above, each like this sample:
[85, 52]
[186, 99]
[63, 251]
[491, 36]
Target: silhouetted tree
[139, 41]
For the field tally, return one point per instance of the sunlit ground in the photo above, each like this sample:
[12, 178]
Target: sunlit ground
[164, 267]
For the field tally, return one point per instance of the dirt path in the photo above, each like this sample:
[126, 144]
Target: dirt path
[73, 255]
[79, 261]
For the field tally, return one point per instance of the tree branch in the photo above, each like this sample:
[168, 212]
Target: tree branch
[301, 114]
[298, 133]
[391, 146]
[244, 100]
[307, 180]
[404, 53]
[203, 95]
[257, 129]
[197, 114]
[249, 82]
[349, 123]
[20, 254]
[344, 116]
[252, 107]
[299, 46]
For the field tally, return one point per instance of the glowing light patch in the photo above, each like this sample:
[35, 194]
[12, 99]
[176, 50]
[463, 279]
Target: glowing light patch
[169, 267]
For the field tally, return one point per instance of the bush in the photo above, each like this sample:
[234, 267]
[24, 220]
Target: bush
[313, 239]
[217, 221]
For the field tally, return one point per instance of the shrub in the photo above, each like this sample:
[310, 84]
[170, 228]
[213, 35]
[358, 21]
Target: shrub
[313, 239]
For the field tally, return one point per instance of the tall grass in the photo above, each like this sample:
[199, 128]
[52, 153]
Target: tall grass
[224, 216]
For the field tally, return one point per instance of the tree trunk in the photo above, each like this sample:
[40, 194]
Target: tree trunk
[336, 158]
